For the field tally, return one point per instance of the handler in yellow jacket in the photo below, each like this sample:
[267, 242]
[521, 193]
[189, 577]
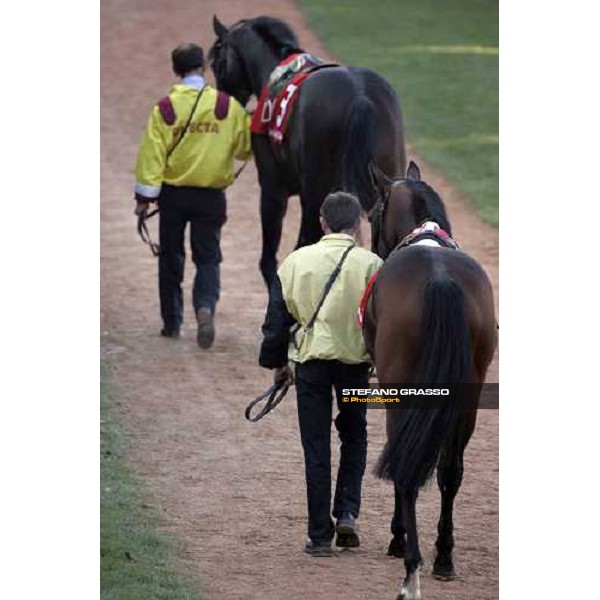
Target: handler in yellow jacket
[311, 320]
[185, 162]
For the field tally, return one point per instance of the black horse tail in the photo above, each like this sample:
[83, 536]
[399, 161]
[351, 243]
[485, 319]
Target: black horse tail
[357, 151]
[419, 434]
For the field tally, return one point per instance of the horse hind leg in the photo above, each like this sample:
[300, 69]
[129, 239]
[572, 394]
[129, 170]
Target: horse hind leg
[411, 587]
[449, 477]
[398, 542]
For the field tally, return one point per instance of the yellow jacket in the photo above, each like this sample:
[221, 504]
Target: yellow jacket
[204, 157]
[336, 334]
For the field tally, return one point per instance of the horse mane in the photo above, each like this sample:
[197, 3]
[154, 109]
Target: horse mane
[428, 206]
[277, 34]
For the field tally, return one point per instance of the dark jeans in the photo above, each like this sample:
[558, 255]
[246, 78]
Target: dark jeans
[314, 380]
[205, 210]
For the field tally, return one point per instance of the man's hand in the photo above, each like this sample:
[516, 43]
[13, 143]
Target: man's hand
[142, 204]
[141, 207]
[283, 375]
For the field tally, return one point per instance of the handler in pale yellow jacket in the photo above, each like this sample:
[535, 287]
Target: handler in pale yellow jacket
[185, 162]
[311, 320]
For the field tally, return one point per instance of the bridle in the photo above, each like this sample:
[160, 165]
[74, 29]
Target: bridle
[378, 214]
[221, 46]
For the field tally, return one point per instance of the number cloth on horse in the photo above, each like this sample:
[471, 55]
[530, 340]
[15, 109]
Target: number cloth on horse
[428, 233]
[203, 157]
[278, 97]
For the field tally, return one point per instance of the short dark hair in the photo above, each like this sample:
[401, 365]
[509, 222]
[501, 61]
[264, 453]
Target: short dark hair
[186, 58]
[341, 211]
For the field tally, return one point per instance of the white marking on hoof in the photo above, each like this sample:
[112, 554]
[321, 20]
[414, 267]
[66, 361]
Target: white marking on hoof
[411, 588]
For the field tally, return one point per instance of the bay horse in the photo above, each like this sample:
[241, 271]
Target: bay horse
[344, 119]
[430, 320]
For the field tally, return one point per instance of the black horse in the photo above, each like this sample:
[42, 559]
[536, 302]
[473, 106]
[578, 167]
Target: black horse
[344, 119]
[429, 321]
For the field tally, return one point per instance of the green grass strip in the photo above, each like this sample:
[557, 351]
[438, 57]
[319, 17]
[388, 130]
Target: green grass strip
[136, 562]
[442, 58]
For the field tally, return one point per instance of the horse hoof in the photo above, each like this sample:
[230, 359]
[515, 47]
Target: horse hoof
[396, 548]
[442, 573]
[405, 595]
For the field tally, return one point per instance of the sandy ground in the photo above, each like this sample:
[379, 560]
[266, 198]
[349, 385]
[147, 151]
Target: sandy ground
[231, 491]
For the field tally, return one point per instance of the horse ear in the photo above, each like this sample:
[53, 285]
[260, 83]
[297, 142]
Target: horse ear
[219, 28]
[379, 179]
[413, 172]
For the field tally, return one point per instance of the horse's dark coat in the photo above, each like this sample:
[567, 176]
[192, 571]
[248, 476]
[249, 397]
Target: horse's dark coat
[344, 120]
[430, 321]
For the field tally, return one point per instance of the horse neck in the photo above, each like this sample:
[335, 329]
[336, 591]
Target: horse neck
[398, 225]
[260, 62]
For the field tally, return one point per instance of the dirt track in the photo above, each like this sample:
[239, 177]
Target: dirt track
[231, 491]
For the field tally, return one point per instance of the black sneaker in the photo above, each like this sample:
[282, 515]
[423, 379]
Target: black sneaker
[347, 532]
[171, 332]
[319, 549]
[206, 328]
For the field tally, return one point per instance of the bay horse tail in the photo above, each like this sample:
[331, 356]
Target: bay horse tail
[357, 151]
[418, 435]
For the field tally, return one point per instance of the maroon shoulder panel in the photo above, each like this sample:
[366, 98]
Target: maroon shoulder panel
[167, 112]
[222, 106]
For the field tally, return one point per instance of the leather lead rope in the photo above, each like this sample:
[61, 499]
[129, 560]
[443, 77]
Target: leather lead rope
[142, 229]
[239, 171]
[274, 396]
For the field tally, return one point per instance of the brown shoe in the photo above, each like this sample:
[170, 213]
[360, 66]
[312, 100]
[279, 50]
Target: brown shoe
[206, 328]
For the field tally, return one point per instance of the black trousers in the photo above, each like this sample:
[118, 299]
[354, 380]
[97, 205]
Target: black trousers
[206, 211]
[314, 381]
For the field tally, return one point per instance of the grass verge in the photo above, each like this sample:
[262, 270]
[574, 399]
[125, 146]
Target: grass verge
[136, 562]
[442, 59]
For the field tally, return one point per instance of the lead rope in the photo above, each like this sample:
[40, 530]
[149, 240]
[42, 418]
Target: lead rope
[239, 171]
[142, 229]
[274, 395]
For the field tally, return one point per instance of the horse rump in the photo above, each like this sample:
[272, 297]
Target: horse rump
[418, 434]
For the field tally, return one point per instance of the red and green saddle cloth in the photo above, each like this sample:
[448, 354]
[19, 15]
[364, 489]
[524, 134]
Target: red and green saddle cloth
[280, 93]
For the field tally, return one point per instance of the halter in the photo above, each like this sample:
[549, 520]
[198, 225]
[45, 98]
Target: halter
[223, 45]
[378, 213]
[439, 235]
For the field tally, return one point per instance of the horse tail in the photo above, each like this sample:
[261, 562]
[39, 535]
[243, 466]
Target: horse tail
[419, 434]
[357, 150]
